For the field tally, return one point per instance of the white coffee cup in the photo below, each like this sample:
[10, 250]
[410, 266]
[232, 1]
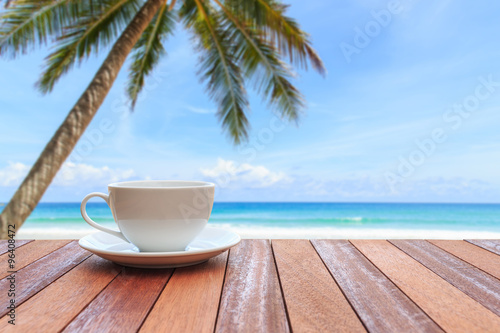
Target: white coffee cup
[157, 215]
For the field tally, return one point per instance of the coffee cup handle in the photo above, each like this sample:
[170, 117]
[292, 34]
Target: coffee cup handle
[83, 210]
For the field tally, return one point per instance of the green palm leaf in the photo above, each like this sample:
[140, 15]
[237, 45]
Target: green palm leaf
[98, 25]
[220, 67]
[260, 60]
[281, 30]
[148, 50]
[27, 23]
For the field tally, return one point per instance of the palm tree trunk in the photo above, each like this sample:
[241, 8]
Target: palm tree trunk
[64, 140]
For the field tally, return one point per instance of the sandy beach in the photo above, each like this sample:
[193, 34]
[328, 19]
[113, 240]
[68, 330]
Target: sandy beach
[294, 233]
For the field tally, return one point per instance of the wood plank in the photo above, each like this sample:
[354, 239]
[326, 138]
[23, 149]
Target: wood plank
[313, 300]
[190, 301]
[251, 297]
[4, 244]
[30, 253]
[475, 255]
[492, 245]
[124, 303]
[472, 281]
[453, 310]
[379, 303]
[36, 276]
[55, 306]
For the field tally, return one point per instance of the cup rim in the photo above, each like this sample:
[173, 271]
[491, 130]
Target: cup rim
[183, 184]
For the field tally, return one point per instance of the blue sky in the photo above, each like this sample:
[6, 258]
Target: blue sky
[408, 112]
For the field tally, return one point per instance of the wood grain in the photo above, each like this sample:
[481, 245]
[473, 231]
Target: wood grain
[453, 310]
[125, 302]
[379, 303]
[492, 245]
[30, 253]
[405, 287]
[4, 244]
[251, 297]
[54, 307]
[313, 300]
[38, 275]
[472, 281]
[190, 301]
[479, 257]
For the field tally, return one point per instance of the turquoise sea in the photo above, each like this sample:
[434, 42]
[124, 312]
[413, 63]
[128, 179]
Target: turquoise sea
[364, 220]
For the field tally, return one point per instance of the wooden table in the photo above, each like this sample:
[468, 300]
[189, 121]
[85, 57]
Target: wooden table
[262, 286]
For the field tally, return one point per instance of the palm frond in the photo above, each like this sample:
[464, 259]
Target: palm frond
[281, 30]
[148, 50]
[98, 25]
[26, 23]
[219, 66]
[260, 60]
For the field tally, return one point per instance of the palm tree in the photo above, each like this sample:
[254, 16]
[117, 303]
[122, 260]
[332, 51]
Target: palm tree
[239, 40]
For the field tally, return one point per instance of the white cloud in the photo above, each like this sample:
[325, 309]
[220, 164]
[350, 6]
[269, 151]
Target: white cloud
[78, 174]
[369, 188]
[231, 174]
[13, 174]
[360, 186]
[70, 174]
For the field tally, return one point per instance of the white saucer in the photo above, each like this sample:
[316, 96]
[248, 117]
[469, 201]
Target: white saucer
[211, 242]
